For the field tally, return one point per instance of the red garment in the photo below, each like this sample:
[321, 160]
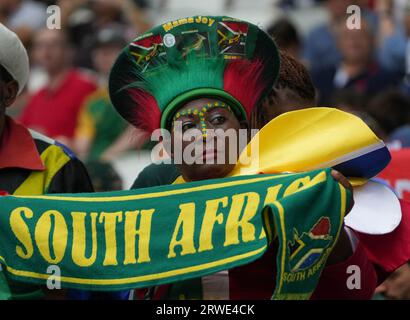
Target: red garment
[17, 148]
[334, 279]
[392, 250]
[371, 4]
[256, 281]
[397, 173]
[55, 113]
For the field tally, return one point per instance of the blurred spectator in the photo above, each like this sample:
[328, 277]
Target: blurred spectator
[54, 109]
[320, 45]
[400, 138]
[286, 37]
[371, 123]
[135, 12]
[353, 102]
[321, 49]
[105, 46]
[357, 70]
[399, 7]
[391, 109]
[83, 19]
[293, 91]
[293, 4]
[384, 10]
[348, 100]
[23, 17]
[395, 47]
[25, 155]
[100, 126]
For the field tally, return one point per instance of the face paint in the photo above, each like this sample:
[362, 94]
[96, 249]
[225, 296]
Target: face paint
[201, 114]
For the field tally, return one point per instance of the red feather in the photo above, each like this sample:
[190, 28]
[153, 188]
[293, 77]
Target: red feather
[244, 81]
[147, 113]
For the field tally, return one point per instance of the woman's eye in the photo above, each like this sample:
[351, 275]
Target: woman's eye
[218, 120]
[187, 125]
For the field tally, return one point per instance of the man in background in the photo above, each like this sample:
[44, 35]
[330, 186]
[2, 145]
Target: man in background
[321, 47]
[24, 17]
[99, 124]
[101, 134]
[54, 110]
[394, 46]
[358, 69]
[30, 163]
[286, 37]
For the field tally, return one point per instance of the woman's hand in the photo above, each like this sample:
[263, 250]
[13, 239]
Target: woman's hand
[397, 286]
[345, 183]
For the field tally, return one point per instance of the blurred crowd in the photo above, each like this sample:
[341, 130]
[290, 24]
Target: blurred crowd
[365, 71]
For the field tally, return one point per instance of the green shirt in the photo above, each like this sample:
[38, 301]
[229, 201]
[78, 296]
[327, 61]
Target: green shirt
[100, 123]
[156, 175]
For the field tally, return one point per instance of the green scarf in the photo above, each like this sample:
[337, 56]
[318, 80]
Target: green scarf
[147, 237]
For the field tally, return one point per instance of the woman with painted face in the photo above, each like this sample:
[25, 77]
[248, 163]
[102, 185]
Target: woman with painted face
[198, 80]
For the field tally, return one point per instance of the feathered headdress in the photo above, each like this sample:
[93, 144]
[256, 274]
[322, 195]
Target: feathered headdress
[203, 56]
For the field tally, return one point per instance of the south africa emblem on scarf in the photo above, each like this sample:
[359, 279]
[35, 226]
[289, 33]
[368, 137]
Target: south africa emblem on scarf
[307, 248]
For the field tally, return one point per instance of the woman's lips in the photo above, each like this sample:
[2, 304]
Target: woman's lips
[208, 156]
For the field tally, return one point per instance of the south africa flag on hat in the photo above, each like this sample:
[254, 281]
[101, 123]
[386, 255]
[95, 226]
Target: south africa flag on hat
[232, 38]
[148, 52]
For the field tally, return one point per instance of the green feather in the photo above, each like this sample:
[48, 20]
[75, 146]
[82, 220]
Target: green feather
[189, 74]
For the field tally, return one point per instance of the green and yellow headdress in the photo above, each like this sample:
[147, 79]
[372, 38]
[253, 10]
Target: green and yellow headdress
[202, 56]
